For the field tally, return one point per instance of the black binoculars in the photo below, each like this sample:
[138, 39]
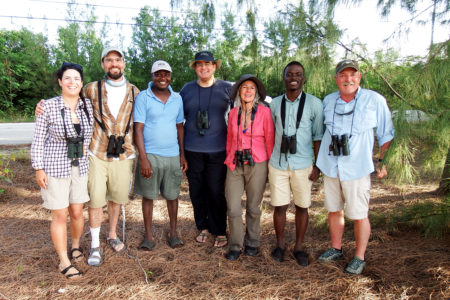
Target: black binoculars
[288, 143]
[115, 148]
[75, 147]
[339, 144]
[241, 157]
[202, 121]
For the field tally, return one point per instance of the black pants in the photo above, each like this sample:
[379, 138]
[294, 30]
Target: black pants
[206, 175]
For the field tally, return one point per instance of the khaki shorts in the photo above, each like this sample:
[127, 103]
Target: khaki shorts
[108, 180]
[61, 192]
[166, 178]
[283, 182]
[352, 196]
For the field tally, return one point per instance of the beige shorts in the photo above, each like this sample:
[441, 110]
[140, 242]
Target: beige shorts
[283, 182]
[352, 196]
[61, 192]
[109, 181]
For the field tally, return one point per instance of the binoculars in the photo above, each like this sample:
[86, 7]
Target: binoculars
[75, 149]
[202, 121]
[288, 144]
[339, 144]
[241, 157]
[115, 148]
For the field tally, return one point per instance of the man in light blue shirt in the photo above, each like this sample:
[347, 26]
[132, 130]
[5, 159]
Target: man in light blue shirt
[298, 130]
[345, 158]
[159, 134]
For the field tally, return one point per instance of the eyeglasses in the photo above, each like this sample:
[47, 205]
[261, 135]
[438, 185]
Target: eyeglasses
[111, 60]
[72, 65]
[346, 113]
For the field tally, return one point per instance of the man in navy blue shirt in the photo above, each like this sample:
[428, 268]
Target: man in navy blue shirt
[206, 102]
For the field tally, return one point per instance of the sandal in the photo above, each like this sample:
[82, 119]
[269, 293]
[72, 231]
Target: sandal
[221, 241]
[95, 258]
[175, 242]
[202, 237]
[69, 276]
[147, 245]
[79, 257]
[115, 243]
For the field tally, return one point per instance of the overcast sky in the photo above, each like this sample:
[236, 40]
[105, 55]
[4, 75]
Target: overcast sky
[360, 21]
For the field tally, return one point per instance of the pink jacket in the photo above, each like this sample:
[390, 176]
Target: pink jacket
[263, 136]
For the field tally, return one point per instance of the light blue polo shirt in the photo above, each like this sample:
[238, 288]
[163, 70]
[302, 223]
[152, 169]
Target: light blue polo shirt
[309, 130]
[160, 120]
[370, 111]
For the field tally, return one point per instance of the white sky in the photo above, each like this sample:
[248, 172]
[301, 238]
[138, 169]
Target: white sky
[360, 21]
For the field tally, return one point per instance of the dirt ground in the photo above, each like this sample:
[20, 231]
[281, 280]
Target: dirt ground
[400, 264]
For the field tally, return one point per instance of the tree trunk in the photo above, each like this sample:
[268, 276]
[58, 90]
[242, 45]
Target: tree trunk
[444, 184]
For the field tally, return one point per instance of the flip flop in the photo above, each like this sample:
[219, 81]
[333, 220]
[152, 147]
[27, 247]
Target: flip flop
[219, 242]
[175, 242]
[202, 237]
[147, 245]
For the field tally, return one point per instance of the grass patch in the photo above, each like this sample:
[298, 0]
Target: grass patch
[15, 116]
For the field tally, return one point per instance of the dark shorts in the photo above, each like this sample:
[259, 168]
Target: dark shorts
[166, 178]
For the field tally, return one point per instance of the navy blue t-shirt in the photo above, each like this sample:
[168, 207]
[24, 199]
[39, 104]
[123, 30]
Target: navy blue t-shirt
[214, 99]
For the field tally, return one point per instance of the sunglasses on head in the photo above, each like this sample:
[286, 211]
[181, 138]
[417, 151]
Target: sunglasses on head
[71, 65]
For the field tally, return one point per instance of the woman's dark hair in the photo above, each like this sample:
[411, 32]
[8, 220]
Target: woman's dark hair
[70, 66]
[66, 66]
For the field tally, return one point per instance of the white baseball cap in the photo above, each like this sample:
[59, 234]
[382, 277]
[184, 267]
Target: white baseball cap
[161, 65]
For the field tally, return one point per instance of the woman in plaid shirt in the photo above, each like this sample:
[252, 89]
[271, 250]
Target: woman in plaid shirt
[59, 156]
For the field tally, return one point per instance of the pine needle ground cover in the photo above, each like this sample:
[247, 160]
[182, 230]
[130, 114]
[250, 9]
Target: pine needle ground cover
[402, 263]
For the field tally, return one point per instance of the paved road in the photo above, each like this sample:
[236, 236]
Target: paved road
[16, 133]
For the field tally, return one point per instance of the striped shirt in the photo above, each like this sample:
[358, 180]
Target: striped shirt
[49, 147]
[113, 126]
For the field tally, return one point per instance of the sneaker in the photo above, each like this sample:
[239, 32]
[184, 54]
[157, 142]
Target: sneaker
[332, 254]
[355, 266]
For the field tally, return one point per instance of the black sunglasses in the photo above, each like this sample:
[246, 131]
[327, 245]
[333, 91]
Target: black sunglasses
[71, 65]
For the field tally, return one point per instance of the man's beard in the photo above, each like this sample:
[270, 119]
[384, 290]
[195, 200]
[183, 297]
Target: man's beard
[115, 77]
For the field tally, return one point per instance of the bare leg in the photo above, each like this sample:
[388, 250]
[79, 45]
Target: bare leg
[58, 232]
[172, 208]
[301, 224]
[95, 217]
[362, 233]
[113, 214]
[336, 223]
[147, 211]
[76, 223]
[279, 220]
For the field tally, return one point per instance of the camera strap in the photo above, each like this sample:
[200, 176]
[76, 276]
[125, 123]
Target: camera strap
[254, 110]
[209, 98]
[301, 106]
[102, 123]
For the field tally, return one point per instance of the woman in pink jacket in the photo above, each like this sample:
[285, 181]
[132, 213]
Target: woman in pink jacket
[250, 141]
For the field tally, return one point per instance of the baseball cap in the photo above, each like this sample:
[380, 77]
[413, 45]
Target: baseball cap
[106, 51]
[347, 63]
[161, 65]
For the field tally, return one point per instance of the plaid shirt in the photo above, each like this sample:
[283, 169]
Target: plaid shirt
[49, 147]
[117, 127]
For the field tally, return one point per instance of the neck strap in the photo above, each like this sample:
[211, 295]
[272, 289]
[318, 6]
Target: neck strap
[301, 105]
[100, 105]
